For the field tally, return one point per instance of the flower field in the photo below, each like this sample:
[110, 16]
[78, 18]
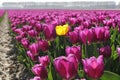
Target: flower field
[68, 44]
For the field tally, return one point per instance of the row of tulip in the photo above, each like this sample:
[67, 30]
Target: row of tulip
[1, 14]
[59, 44]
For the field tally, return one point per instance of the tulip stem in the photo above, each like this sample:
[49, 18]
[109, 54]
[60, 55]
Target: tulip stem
[86, 52]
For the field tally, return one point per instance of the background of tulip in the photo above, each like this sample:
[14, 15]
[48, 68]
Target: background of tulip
[66, 44]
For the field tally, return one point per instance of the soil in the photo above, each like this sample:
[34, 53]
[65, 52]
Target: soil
[10, 68]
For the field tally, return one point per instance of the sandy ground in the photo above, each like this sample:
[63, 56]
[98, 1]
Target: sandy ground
[10, 68]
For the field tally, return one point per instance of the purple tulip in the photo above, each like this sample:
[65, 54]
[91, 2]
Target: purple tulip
[34, 49]
[45, 60]
[105, 51]
[99, 32]
[23, 34]
[66, 66]
[106, 35]
[83, 36]
[86, 24]
[118, 50]
[32, 33]
[73, 37]
[76, 50]
[25, 42]
[49, 32]
[94, 67]
[72, 21]
[13, 29]
[26, 28]
[18, 30]
[36, 78]
[40, 70]
[90, 36]
[43, 45]
[31, 56]
[32, 22]
[38, 27]
[79, 28]
[18, 38]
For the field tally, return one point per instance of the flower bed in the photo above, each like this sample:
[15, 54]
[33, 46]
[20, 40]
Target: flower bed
[68, 44]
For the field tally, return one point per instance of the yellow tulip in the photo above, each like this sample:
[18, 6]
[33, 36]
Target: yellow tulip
[62, 30]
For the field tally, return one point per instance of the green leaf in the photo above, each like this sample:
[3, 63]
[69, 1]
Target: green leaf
[110, 76]
[50, 73]
[113, 36]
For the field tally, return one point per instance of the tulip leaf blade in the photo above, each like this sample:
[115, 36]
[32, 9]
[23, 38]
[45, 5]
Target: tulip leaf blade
[50, 77]
[110, 75]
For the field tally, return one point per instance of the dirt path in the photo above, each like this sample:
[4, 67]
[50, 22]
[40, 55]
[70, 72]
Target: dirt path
[10, 69]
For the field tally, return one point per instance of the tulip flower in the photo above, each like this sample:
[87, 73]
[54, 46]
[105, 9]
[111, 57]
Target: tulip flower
[73, 37]
[25, 42]
[32, 33]
[118, 50]
[13, 29]
[32, 22]
[72, 21]
[43, 45]
[31, 56]
[26, 28]
[36, 78]
[94, 67]
[40, 70]
[99, 32]
[66, 66]
[86, 24]
[76, 50]
[38, 27]
[18, 30]
[62, 30]
[106, 35]
[49, 31]
[90, 36]
[105, 51]
[45, 60]
[34, 49]
[18, 38]
[83, 36]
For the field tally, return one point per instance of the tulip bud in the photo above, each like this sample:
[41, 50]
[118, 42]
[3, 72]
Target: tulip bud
[62, 30]
[106, 35]
[32, 33]
[99, 32]
[32, 22]
[25, 42]
[36, 78]
[66, 66]
[72, 21]
[18, 30]
[105, 51]
[38, 27]
[76, 50]
[83, 36]
[49, 32]
[43, 45]
[45, 60]
[31, 56]
[73, 37]
[34, 49]
[94, 67]
[18, 38]
[118, 50]
[26, 28]
[40, 70]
